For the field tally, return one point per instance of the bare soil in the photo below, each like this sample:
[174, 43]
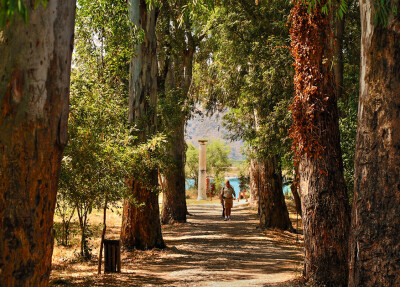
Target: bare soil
[206, 251]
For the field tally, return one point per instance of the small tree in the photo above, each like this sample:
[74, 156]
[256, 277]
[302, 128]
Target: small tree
[65, 210]
[141, 228]
[94, 165]
[244, 176]
[192, 163]
[217, 158]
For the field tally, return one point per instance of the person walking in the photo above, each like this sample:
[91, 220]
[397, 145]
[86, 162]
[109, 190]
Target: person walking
[227, 195]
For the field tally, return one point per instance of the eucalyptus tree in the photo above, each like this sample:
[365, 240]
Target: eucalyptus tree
[141, 227]
[94, 164]
[316, 143]
[181, 29]
[374, 241]
[249, 73]
[35, 61]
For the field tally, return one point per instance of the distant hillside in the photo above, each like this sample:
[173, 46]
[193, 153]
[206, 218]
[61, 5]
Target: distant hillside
[211, 128]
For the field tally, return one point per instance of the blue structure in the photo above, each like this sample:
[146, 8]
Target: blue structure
[235, 184]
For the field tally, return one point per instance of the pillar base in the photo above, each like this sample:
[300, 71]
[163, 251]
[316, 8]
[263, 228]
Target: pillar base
[201, 198]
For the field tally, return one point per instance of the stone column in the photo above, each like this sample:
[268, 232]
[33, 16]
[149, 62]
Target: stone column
[202, 170]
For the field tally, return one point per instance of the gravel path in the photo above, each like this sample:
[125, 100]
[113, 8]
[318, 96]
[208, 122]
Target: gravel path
[206, 251]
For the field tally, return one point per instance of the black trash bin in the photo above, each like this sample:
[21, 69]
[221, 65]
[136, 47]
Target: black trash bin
[112, 256]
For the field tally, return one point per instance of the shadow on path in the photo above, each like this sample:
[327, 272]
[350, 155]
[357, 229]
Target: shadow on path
[206, 251]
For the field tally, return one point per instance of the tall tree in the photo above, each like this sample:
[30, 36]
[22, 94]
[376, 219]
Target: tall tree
[255, 173]
[315, 134]
[176, 53]
[180, 30]
[250, 76]
[375, 232]
[141, 226]
[35, 63]
[254, 183]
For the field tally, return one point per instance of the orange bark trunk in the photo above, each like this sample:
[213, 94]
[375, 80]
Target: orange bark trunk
[35, 62]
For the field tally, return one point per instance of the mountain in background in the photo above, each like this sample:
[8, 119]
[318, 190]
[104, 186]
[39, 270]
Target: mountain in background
[203, 127]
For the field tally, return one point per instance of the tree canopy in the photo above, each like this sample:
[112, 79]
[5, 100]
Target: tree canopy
[312, 103]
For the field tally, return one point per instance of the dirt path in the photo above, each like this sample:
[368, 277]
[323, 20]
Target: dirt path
[206, 251]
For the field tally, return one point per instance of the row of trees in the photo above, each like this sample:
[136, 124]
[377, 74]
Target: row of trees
[250, 74]
[253, 79]
[104, 148]
[240, 50]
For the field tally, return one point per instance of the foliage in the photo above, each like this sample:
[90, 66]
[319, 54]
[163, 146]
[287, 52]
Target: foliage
[65, 211]
[10, 8]
[248, 72]
[348, 103]
[340, 7]
[348, 131]
[217, 158]
[93, 167]
[219, 181]
[102, 151]
[382, 9]
[181, 28]
[244, 176]
[192, 163]
[217, 161]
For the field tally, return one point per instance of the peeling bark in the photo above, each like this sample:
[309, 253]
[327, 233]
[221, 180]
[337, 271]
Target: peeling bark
[35, 63]
[375, 230]
[178, 80]
[174, 197]
[325, 207]
[141, 227]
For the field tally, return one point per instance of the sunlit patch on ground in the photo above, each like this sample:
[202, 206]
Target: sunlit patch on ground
[206, 251]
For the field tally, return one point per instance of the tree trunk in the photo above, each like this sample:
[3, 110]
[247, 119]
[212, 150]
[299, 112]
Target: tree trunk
[255, 172]
[295, 191]
[338, 54]
[177, 85]
[254, 183]
[103, 234]
[174, 199]
[35, 63]
[297, 200]
[82, 216]
[375, 231]
[273, 209]
[141, 227]
[315, 133]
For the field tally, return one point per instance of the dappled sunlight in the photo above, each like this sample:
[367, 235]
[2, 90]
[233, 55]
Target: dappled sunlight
[205, 251]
